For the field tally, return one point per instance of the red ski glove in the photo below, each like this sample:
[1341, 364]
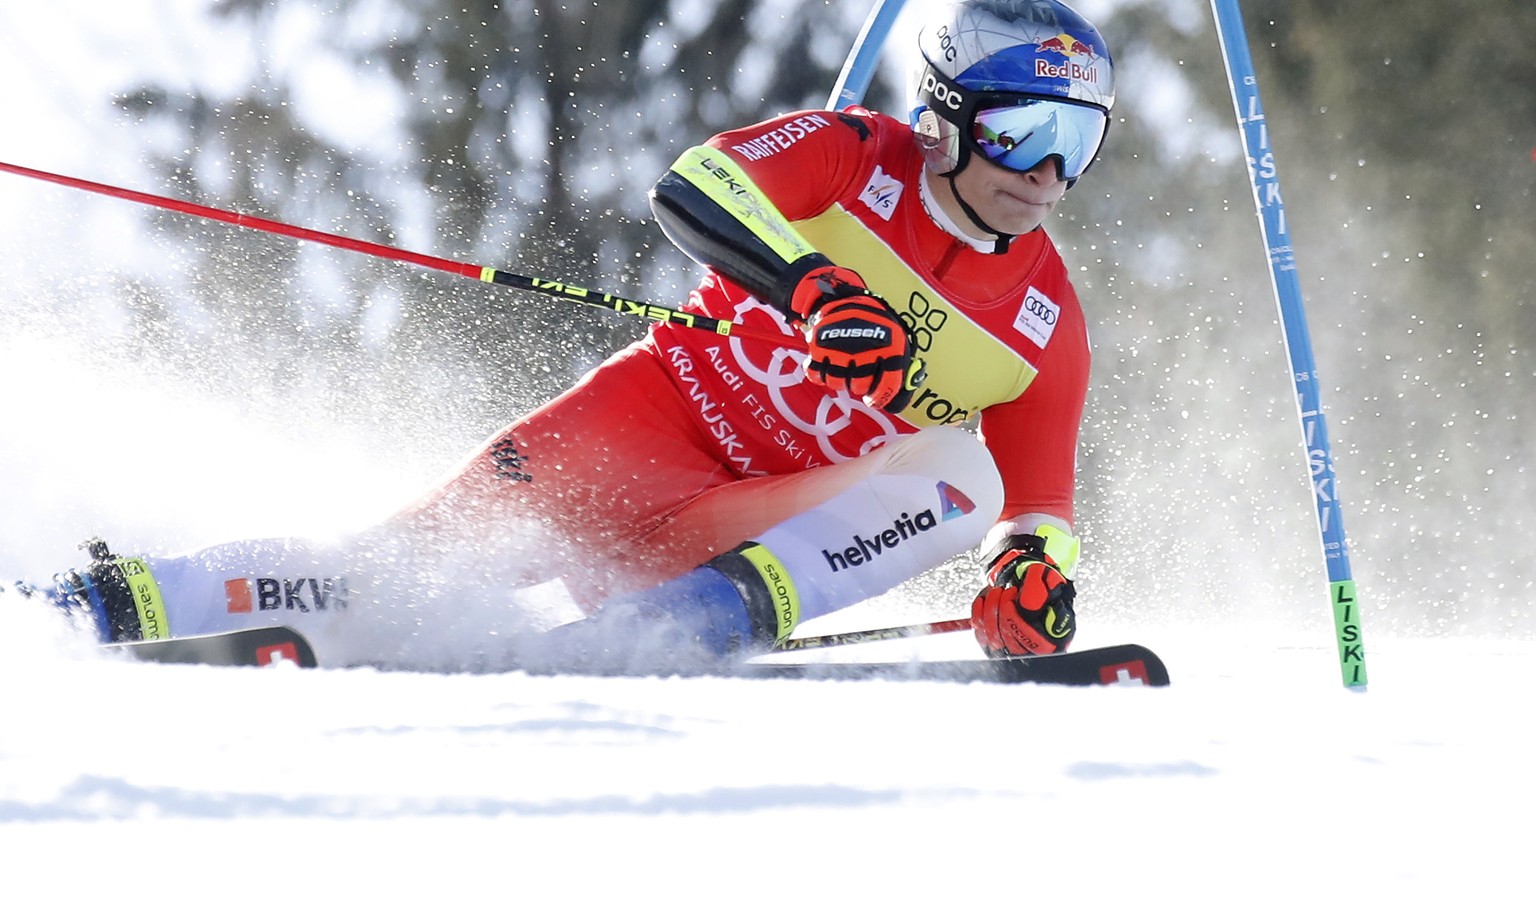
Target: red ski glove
[857, 343]
[1026, 607]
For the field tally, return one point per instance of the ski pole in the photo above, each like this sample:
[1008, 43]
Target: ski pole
[1298, 341]
[859, 69]
[547, 287]
[839, 639]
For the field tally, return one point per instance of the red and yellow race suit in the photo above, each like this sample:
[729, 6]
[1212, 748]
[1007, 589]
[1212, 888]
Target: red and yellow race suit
[1002, 336]
[689, 442]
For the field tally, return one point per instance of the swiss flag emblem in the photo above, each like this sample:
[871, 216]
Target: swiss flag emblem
[1131, 672]
[266, 655]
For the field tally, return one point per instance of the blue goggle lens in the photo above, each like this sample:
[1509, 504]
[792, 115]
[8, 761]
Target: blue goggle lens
[1020, 135]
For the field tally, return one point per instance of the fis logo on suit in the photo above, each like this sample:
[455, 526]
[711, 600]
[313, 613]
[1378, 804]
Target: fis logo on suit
[881, 194]
[303, 595]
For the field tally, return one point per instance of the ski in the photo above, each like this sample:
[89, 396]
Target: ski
[1125, 664]
[262, 646]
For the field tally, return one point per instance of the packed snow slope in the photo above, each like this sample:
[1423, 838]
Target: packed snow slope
[1254, 776]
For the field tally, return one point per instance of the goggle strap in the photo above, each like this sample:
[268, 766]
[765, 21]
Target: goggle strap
[946, 97]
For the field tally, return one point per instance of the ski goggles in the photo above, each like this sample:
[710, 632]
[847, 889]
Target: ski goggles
[1021, 132]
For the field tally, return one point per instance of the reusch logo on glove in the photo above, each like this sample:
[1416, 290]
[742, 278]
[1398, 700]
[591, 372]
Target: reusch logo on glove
[870, 332]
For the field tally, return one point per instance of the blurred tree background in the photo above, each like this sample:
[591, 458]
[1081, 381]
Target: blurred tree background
[523, 135]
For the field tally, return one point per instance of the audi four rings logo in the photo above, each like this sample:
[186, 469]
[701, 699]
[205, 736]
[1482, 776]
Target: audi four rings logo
[942, 92]
[1037, 306]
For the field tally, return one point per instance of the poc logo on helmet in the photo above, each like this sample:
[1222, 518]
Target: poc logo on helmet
[946, 43]
[941, 92]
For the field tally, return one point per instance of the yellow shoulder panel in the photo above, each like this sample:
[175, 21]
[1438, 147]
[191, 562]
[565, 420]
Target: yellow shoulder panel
[714, 173]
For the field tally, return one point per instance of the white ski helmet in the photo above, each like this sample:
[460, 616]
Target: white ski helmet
[1016, 81]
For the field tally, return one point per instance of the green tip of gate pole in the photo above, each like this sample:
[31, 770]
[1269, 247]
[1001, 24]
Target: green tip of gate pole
[1346, 623]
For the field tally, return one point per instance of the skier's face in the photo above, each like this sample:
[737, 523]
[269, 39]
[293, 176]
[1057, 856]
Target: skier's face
[1012, 202]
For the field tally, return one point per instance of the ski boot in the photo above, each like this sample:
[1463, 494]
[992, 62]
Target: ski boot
[117, 595]
[736, 605]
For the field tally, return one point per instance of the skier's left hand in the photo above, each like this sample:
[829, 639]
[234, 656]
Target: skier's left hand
[1026, 606]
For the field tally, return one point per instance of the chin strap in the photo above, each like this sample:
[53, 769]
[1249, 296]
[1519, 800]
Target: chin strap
[1000, 246]
[927, 131]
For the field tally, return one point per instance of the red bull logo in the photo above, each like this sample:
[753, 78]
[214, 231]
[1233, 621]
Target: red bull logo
[1066, 45]
[1078, 59]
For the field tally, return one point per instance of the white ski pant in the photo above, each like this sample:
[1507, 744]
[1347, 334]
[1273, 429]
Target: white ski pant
[857, 530]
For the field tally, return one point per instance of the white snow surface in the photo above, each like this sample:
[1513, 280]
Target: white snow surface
[1254, 776]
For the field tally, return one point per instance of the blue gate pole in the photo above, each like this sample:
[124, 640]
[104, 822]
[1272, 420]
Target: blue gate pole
[1287, 286]
[859, 69]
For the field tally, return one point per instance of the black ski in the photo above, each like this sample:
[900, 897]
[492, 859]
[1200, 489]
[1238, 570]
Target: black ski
[1125, 664]
[262, 646]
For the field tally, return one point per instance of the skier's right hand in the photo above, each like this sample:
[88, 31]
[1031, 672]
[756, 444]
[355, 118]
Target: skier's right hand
[856, 341]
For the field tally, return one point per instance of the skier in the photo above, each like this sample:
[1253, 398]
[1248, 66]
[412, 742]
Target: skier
[702, 494]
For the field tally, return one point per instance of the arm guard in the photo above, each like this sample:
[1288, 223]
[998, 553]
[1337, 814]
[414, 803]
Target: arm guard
[712, 211]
